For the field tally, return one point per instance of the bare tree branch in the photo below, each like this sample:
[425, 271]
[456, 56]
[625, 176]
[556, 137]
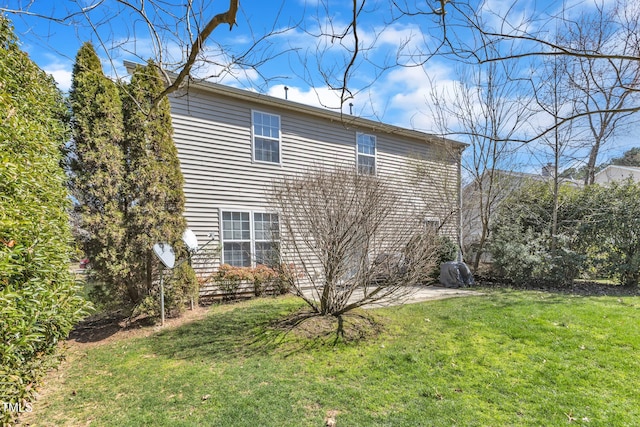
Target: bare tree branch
[228, 17]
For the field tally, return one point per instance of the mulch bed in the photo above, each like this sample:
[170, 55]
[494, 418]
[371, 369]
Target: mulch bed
[583, 288]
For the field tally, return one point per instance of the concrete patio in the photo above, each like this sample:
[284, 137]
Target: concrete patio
[416, 294]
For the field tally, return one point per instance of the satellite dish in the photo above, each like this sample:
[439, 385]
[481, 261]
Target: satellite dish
[190, 240]
[165, 253]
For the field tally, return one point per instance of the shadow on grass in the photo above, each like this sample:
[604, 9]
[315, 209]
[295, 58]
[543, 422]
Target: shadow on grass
[261, 327]
[305, 330]
[101, 326]
[238, 330]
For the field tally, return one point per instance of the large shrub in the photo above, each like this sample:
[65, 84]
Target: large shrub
[598, 234]
[524, 256]
[610, 230]
[523, 248]
[38, 299]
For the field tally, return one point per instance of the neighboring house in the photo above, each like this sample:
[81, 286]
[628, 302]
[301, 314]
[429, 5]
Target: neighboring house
[615, 173]
[233, 143]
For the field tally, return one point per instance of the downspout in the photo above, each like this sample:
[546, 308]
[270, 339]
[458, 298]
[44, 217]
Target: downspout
[460, 257]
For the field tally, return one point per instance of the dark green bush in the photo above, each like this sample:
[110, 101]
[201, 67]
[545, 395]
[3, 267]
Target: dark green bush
[610, 231]
[39, 300]
[598, 234]
[103, 297]
[524, 256]
[446, 250]
[522, 247]
[517, 254]
[181, 287]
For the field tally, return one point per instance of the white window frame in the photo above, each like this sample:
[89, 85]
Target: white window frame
[223, 240]
[278, 140]
[367, 155]
[254, 237]
[252, 233]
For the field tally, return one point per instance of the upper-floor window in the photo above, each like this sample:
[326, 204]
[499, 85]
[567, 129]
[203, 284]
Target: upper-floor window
[266, 137]
[366, 155]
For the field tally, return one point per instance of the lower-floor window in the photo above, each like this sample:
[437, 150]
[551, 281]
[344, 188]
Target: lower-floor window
[249, 238]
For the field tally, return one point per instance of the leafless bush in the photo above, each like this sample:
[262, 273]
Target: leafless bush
[351, 239]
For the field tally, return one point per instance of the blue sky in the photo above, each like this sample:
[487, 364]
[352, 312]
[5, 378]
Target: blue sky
[398, 96]
[293, 55]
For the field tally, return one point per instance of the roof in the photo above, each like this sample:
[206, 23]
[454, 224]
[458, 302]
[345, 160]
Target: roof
[259, 98]
[625, 171]
[633, 169]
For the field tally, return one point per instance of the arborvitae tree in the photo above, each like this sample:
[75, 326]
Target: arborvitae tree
[97, 165]
[38, 299]
[154, 198]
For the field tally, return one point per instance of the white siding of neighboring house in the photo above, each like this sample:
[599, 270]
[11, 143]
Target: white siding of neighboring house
[212, 133]
[614, 173]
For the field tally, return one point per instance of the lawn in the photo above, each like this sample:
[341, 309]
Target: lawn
[508, 358]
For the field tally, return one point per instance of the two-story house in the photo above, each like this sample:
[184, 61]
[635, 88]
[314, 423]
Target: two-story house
[233, 143]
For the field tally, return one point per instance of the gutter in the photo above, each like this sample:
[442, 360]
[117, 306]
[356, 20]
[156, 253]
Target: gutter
[297, 107]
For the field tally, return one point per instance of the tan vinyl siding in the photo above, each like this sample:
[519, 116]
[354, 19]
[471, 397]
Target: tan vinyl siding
[212, 133]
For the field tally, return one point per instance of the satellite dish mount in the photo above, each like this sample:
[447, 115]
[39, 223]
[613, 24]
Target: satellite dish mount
[167, 257]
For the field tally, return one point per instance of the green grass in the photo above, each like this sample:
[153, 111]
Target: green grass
[504, 359]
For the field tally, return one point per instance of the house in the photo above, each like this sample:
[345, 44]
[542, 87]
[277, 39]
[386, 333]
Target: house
[616, 173]
[233, 143]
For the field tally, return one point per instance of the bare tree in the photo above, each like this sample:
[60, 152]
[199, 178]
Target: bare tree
[349, 239]
[605, 88]
[555, 96]
[603, 39]
[487, 111]
[345, 55]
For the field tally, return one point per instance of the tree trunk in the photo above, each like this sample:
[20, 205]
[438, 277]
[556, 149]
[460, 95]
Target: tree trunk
[481, 243]
[132, 291]
[591, 165]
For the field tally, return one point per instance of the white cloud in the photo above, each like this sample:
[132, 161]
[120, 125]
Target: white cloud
[61, 73]
[403, 97]
[507, 15]
[403, 43]
[318, 97]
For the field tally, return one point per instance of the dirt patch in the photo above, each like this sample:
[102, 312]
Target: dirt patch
[107, 327]
[352, 326]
